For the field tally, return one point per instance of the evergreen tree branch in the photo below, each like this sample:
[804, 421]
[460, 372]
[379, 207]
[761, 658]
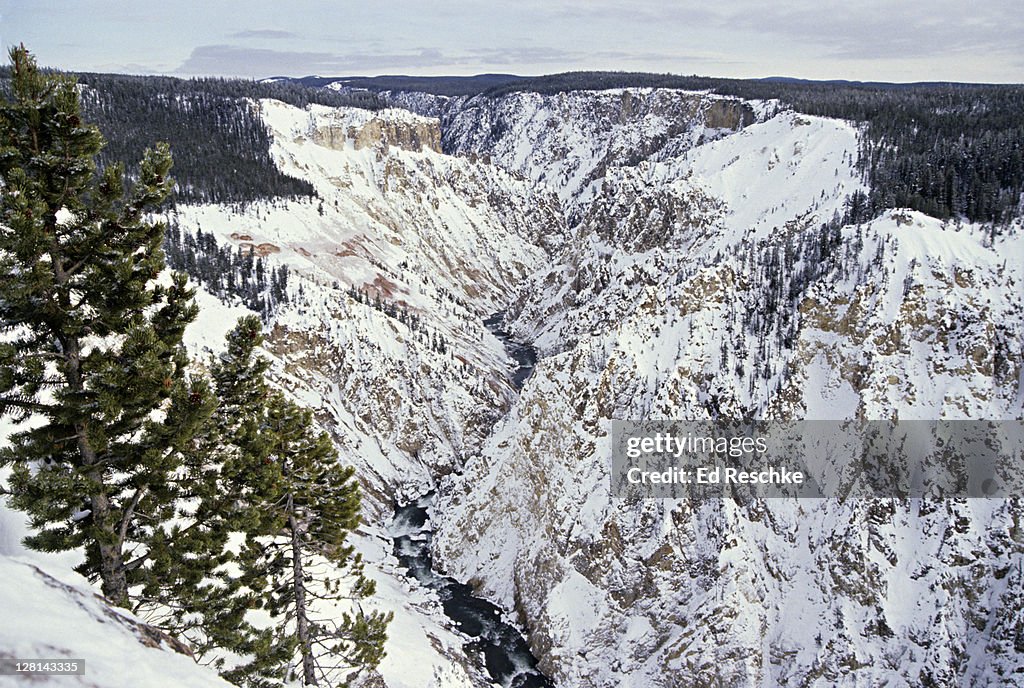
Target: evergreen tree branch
[27, 404]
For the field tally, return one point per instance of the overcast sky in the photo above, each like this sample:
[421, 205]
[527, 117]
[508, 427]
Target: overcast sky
[889, 40]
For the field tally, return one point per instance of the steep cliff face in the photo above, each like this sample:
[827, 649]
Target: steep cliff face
[400, 259]
[393, 269]
[338, 128]
[668, 593]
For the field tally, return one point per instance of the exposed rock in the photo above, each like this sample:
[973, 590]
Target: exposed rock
[381, 131]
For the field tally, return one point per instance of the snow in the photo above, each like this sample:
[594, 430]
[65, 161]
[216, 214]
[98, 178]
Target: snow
[574, 608]
[828, 394]
[216, 319]
[773, 171]
[56, 614]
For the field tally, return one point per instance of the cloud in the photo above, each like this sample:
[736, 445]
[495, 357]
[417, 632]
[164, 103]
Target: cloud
[875, 30]
[263, 62]
[666, 58]
[269, 34]
[872, 30]
[868, 39]
[522, 55]
[643, 13]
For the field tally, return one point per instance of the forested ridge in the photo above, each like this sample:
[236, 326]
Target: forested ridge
[221, 147]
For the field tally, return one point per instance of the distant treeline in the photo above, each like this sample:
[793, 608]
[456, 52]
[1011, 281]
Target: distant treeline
[436, 85]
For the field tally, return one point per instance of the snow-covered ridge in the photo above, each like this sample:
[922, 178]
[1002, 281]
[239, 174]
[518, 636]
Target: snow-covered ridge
[702, 284]
[662, 221]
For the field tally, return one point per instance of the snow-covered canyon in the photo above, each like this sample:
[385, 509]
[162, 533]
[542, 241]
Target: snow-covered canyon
[665, 253]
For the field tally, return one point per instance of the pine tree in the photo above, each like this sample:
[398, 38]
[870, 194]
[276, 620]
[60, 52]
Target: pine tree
[314, 507]
[92, 348]
[260, 472]
[191, 584]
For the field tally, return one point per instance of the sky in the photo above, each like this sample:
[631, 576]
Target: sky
[867, 40]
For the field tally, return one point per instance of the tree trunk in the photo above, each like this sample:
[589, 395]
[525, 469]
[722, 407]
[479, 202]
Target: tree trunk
[299, 591]
[112, 571]
[104, 522]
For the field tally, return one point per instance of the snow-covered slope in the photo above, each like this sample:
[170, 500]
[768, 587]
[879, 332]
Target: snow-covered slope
[58, 616]
[442, 238]
[393, 269]
[657, 223]
[706, 286]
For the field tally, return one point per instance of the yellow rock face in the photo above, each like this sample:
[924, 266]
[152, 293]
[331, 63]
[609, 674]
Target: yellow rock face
[381, 133]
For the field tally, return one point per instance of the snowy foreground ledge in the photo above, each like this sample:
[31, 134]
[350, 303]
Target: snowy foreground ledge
[51, 618]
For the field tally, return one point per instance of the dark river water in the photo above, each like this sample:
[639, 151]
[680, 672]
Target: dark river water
[498, 645]
[524, 355]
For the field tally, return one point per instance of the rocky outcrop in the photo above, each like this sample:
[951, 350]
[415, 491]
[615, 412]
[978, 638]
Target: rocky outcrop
[728, 113]
[383, 132]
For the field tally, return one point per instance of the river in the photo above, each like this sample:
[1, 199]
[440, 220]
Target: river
[498, 644]
[524, 355]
